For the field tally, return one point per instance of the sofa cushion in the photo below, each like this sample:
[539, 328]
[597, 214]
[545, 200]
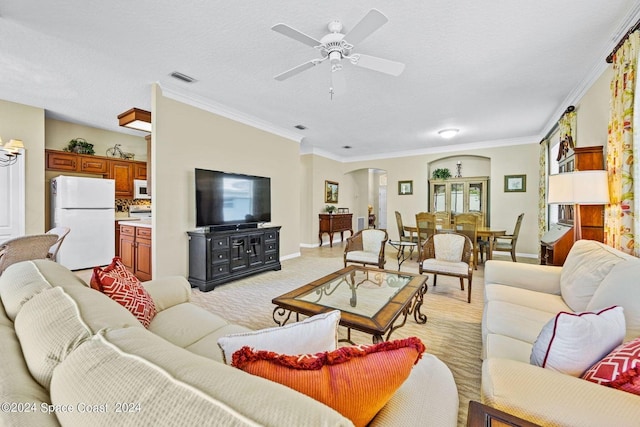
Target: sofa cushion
[621, 287]
[49, 327]
[193, 328]
[167, 385]
[515, 321]
[356, 381]
[572, 342]
[17, 386]
[314, 334]
[587, 264]
[619, 369]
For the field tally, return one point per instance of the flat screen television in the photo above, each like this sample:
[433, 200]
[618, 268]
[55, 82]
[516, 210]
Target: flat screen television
[231, 199]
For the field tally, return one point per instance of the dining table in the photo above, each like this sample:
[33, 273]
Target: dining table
[483, 232]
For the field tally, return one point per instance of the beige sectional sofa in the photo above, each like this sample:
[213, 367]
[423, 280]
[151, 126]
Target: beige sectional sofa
[71, 356]
[519, 300]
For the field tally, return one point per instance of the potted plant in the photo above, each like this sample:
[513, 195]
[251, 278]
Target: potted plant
[330, 209]
[80, 146]
[442, 173]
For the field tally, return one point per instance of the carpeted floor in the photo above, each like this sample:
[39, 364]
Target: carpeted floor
[452, 331]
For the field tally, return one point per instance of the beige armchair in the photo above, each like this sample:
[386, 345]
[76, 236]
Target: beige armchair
[366, 247]
[448, 254]
[25, 248]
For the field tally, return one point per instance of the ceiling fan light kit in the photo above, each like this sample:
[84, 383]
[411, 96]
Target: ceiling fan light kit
[337, 46]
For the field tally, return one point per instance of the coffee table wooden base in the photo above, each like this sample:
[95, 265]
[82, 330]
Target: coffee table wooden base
[392, 312]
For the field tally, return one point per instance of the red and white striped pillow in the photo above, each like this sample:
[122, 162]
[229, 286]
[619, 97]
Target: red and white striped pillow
[619, 369]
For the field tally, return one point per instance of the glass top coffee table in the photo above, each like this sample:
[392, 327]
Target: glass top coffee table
[370, 300]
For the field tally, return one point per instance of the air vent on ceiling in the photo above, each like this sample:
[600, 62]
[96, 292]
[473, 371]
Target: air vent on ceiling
[183, 77]
[301, 127]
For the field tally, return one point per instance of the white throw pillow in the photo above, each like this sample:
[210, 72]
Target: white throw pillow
[315, 334]
[587, 264]
[572, 342]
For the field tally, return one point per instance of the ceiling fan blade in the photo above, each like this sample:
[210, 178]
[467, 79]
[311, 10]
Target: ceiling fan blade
[338, 82]
[295, 34]
[297, 70]
[373, 20]
[378, 64]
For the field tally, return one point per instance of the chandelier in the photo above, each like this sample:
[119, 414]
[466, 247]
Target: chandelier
[10, 151]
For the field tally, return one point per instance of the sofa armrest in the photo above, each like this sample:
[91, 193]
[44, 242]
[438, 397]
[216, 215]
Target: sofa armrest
[168, 291]
[548, 397]
[429, 397]
[541, 278]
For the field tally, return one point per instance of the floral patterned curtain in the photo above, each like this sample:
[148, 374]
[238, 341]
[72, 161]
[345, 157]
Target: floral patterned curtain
[567, 125]
[622, 224]
[542, 189]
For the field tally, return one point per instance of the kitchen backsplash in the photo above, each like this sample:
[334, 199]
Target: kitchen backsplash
[122, 205]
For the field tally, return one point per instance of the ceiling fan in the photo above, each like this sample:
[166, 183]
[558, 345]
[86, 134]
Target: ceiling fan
[337, 46]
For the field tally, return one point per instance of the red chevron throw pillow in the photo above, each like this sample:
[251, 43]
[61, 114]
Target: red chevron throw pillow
[123, 287]
[619, 369]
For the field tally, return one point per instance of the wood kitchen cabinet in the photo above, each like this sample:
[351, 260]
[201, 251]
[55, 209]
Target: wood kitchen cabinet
[139, 170]
[122, 172]
[135, 250]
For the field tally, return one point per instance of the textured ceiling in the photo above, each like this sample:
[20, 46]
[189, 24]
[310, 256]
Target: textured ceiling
[500, 71]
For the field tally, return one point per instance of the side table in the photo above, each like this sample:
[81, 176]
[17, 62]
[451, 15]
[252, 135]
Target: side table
[480, 415]
[401, 245]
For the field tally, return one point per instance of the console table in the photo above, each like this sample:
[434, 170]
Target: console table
[217, 257]
[333, 223]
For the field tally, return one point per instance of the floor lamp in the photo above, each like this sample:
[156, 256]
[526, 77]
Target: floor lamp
[577, 188]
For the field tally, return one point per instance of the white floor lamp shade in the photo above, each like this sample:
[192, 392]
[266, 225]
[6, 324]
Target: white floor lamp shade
[579, 188]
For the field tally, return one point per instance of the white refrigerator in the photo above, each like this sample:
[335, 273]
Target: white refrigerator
[87, 207]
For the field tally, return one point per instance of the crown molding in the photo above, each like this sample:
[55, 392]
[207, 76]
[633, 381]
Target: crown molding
[435, 150]
[206, 104]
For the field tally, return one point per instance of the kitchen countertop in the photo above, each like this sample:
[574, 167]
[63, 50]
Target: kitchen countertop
[137, 223]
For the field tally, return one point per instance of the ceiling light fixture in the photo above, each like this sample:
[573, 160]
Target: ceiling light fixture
[301, 127]
[136, 118]
[10, 151]
[448, 133]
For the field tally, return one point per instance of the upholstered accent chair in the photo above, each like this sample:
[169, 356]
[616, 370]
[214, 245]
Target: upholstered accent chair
[366, 247]
[448, 254]
[507, 243]
[25, 248]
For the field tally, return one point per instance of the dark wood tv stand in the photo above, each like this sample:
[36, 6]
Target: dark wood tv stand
[217, 257]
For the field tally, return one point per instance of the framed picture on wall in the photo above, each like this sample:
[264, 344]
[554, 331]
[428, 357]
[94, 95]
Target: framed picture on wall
[330, 192]
[405, 188]
[515, 183]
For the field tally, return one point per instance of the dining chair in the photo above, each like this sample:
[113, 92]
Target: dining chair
[507, 242]
[426, 225]
[401, 232]
[25, 248]
[467, 224]
[61, 233]
[443, 219]
[366, 247]
[449, 254]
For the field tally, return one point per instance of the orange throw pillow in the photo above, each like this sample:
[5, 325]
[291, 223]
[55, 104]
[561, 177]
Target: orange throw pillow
[355, 381]
[123, 287]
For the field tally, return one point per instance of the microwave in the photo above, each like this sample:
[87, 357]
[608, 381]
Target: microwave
[140, 189]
